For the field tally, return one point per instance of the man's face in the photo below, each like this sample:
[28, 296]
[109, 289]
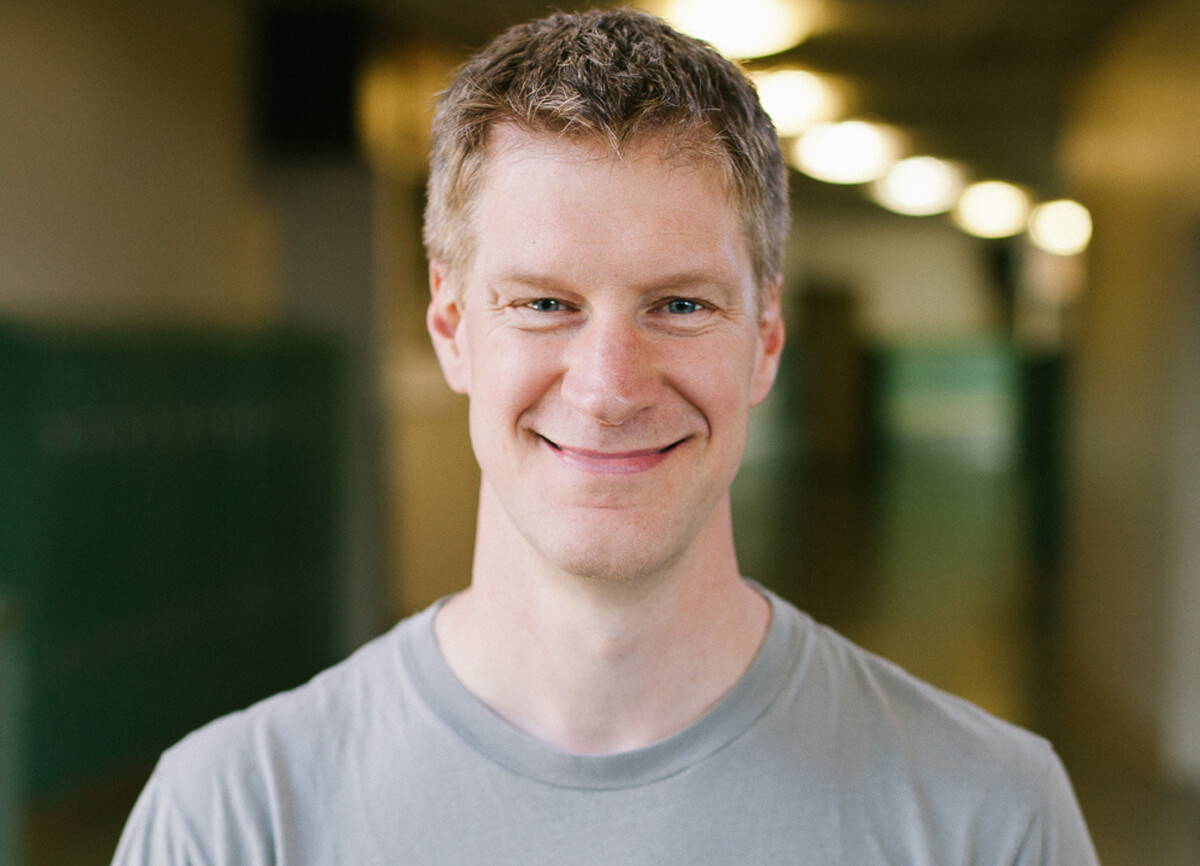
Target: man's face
[610, 337]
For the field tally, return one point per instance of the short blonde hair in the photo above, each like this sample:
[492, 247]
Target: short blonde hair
[621, 77]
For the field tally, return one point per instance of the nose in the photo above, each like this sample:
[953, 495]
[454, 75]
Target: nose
[611, 374]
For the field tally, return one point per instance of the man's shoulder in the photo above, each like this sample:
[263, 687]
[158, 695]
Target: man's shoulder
[857, 739]
[872, 707]
[278, 774]
[304, 724]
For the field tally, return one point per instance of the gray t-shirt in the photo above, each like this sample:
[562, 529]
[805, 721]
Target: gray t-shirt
[820, 754]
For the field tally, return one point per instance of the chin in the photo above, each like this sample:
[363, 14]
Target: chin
[614, 554]
[612, 570]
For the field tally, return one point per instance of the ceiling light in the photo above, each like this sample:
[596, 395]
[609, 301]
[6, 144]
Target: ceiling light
[1062, 227]
[795, 99]
[992, 209]
[852, 151]
[747, 28]
[919, 186]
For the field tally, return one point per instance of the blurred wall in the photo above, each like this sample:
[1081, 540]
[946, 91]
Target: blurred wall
[432, 473]
[913, 279]
[432, 476]
[1134, 595]
[126, 196]
[132, 194]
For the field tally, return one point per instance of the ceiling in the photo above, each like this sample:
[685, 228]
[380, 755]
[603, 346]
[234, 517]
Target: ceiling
[981, 81]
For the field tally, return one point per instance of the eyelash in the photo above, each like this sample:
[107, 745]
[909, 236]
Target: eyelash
[539, 305]
[543, 305]
[695, 306]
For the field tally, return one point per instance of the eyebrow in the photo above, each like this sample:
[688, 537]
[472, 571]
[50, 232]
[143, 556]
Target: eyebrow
[529, 280]
[680, 281]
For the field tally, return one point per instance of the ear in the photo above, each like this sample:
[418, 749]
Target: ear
[771, 337]
[444, 320]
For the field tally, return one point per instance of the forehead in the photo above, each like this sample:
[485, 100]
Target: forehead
[508, 144]
[551, 197]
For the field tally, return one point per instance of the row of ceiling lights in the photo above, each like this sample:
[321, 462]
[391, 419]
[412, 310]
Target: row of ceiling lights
[809, 110]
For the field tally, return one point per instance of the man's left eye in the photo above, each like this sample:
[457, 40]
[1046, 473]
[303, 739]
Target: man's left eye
[681, 305]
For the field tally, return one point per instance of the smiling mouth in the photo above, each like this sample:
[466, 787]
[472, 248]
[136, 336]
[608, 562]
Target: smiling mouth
[613, 462]
[610, 455]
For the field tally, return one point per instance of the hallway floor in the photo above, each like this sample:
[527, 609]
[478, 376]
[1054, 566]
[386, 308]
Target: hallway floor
[923, 565]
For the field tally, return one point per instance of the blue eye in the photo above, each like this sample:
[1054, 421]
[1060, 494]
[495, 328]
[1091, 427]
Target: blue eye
[545, 305]
[681, 305]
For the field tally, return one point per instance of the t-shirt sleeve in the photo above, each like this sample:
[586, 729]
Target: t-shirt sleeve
[198, 810]
[1057, 834]
[157, 832]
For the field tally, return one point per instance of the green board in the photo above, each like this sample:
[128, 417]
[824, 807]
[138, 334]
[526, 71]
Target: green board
[167, 533]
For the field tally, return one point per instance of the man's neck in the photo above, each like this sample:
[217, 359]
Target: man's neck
[597, 666]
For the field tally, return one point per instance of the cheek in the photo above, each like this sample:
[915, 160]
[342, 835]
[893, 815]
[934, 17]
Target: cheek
[510, 373]
[718, 379]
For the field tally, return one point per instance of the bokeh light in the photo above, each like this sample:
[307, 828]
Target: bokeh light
[796, 99]
[742, 29]
[919, 186]
[853, 151]
[1062, 227]
[992, 209]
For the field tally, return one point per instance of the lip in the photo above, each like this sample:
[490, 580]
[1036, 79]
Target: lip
[611, 462]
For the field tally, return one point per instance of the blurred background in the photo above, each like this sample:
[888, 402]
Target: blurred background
[227, 457]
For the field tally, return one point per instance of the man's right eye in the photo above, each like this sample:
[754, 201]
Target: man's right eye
[546, 305]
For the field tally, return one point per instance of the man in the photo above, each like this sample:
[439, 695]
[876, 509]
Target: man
[605, 223]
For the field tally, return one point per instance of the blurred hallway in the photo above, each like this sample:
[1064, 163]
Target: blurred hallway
[144, 202]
